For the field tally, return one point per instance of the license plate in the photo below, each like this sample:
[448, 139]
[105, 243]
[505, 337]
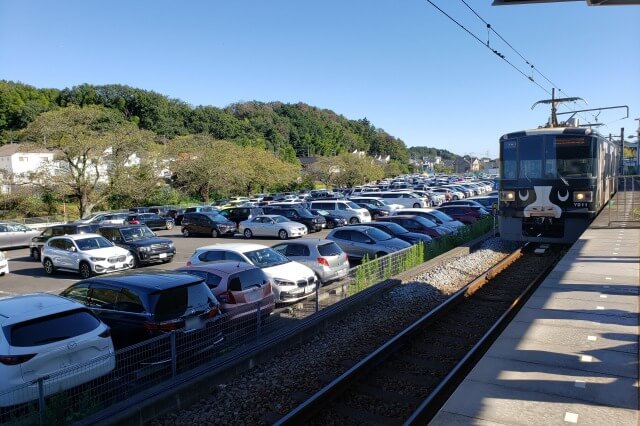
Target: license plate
[162, 255]
[192, 323]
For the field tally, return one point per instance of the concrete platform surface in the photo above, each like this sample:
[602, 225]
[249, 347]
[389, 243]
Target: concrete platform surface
[571, 355]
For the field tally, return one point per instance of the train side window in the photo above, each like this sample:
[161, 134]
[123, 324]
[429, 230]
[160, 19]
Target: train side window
[550, 162]
[509, 159]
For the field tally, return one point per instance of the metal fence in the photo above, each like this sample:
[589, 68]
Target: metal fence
[624, 207]
[74, 393]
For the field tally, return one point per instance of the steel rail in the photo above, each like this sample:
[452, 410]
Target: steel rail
[316, 402]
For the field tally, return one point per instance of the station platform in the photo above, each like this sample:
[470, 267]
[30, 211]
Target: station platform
[571, 355]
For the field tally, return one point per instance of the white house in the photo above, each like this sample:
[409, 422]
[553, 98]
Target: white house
[17, 161]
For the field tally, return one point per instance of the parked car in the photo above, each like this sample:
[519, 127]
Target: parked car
[464, 214]
[398, 231]
[419, 224]
[139, 210]
[87, 254]
[291, 281]
[405, 198]
[312, 221]
[324, 257]
[35, 247]
[359, 241]
[207, 223]
[138, 306]
[16, 235]
[271, 225]
[145, 246]
[332, 220]
[343, 208]
[152, 220]
[239, 287]
[238, 214]
[375, 212]
[44, 334]
[487, 201]
[105, 219]
[377, 202]
[4, 264]
[176, 215]
[468, 202]
[434, 215]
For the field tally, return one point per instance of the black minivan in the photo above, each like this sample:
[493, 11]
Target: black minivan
[207, 223]
[138, 306]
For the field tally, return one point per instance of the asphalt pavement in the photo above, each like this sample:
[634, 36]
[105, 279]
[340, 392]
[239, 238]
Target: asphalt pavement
[28, 276]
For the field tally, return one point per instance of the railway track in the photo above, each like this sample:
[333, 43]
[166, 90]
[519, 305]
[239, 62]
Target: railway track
[406, 380]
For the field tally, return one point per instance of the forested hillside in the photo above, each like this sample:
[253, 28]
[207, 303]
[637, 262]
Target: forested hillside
[288, 130]
[422, 151]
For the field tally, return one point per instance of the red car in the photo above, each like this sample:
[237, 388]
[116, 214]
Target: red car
[465, 214]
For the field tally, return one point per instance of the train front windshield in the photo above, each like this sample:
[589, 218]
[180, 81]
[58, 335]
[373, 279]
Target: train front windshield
[548, 157]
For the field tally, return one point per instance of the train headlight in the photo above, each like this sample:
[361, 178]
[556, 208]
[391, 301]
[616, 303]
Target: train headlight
[507, 195]
[583, 196]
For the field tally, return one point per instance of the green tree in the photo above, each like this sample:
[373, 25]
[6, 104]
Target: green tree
[325, 170]
[357, 170]
[90, 142]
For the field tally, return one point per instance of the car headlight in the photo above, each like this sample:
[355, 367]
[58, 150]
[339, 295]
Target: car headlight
[97, 259]
[383, 213]
[143, 249]
[507, 195]
[171, 245]
[280, 281]
[583, 196]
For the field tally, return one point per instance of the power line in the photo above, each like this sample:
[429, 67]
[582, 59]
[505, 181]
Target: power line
[500, 55]
[533, 67]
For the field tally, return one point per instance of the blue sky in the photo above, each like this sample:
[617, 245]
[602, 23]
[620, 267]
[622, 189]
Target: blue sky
[402, 64]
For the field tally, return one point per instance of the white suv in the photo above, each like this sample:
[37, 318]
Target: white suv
[87, 254]
[290, 281]
[43, 335]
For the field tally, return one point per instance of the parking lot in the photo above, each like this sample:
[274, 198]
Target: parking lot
[28, 276]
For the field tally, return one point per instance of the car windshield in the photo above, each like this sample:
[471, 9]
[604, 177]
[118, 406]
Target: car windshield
[395, 228]
[93, 243]
[216, 217]
[352, 205]
[280, 219]
[377, 234]
[266, 257]
[139, 233]
[442, 216]
[425, 222]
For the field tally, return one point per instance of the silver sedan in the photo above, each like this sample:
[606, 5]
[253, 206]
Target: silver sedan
[271, 225]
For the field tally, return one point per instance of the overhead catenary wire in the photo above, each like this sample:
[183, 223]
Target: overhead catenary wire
[500, 55]
[532, 66]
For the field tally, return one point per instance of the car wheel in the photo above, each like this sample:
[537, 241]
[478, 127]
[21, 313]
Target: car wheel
[85, 270]
[330, 225]
[35, 253]
[170, 224]
[416, 205]
[136, 261]
[48, 267]
[215, 233]
[455, 197]
[186, 233]
[354, 220]
[282, 234]
[247, 233]
[376, 216]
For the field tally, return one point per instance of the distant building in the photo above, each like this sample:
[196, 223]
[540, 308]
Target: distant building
[18, 161]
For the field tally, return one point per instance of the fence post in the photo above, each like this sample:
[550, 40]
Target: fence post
[258, 321]
[174, 360]
[41, 406]
[318, 294]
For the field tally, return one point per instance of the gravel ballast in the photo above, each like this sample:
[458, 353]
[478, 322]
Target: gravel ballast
[270, 390]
